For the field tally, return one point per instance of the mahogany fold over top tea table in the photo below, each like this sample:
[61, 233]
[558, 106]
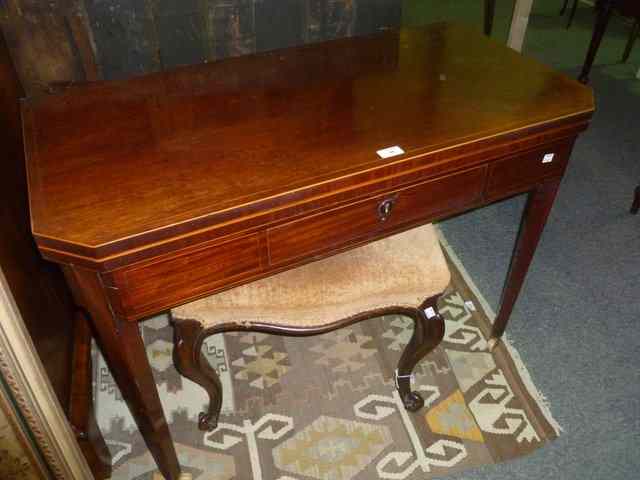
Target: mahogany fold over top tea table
[157, 190]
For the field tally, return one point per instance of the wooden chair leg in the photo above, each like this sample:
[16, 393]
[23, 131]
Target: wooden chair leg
[636, 201]
[635, 33]
[489, 14]
[604, 12]
[427, 334]
[191, 363]
[574, 7]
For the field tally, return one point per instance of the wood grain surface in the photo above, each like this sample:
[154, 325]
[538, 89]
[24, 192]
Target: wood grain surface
[337, 227]
[118, 165]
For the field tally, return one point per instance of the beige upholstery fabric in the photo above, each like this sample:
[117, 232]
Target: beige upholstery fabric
[402, 270]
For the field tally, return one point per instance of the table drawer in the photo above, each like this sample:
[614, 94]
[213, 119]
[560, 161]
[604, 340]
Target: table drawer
[340, 226]
[167, 282]
[520, 172]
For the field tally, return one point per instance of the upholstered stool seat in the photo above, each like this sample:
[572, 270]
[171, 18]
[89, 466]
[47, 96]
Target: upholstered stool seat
[402, 270]
[402, 274]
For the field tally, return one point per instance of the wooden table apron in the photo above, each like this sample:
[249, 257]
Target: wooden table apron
[130, 277]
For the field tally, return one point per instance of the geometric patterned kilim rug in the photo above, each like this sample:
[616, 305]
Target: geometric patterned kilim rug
[325, 407]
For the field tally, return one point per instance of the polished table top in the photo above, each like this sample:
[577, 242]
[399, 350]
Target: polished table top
[115, 165]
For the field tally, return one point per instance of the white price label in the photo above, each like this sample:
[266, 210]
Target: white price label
[430, 312]
[548, 158]
[390, 152]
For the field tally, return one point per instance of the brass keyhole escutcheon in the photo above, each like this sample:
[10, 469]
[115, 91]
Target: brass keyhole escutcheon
[384, 208]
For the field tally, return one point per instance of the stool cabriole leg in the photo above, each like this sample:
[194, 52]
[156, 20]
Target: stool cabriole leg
[427, 334]
[192, 364]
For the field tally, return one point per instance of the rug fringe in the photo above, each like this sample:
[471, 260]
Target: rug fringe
[538, 396]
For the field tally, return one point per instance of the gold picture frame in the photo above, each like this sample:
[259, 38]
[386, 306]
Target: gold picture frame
[33, 396]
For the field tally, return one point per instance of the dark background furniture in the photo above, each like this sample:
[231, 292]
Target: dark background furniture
[489, 15]
[604, 9]
[84, 40]
[90, 40]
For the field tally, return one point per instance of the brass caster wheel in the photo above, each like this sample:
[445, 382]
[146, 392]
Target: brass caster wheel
[413, 401]
[206, 423]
